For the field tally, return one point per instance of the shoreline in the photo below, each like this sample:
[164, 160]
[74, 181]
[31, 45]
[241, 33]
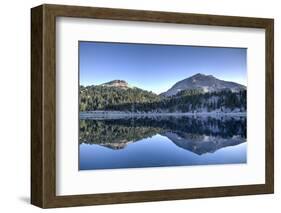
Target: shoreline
[120, 115]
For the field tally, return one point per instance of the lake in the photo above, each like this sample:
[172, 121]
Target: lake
[157, 141]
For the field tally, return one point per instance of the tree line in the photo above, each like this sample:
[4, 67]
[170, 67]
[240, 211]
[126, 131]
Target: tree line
[137, 100]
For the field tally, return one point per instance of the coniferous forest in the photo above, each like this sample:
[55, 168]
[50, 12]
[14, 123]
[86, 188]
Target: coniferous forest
[93, 98]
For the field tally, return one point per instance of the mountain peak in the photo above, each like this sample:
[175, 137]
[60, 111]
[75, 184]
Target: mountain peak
[117, 83]
[205, 83]
[200, 75]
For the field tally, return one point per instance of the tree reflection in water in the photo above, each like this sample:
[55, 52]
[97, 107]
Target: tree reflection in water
[199, 135]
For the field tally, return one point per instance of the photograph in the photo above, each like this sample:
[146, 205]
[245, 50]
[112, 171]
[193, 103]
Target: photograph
[171, 105]
[147, 105]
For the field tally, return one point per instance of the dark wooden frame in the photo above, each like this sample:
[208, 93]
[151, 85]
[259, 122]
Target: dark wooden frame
[43, 105]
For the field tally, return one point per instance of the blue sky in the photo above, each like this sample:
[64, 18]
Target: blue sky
[157, 67]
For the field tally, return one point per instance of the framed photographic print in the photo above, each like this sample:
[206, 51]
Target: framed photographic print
[136, 106]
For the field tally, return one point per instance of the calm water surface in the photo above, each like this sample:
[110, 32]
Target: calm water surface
[161, 141]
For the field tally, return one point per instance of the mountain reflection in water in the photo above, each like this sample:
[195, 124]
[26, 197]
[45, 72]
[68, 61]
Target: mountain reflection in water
[202, 136]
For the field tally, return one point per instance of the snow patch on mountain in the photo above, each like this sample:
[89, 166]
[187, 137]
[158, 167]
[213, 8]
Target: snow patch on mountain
[206, 83]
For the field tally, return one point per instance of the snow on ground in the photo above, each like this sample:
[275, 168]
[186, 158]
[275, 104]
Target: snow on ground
[121, 114]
